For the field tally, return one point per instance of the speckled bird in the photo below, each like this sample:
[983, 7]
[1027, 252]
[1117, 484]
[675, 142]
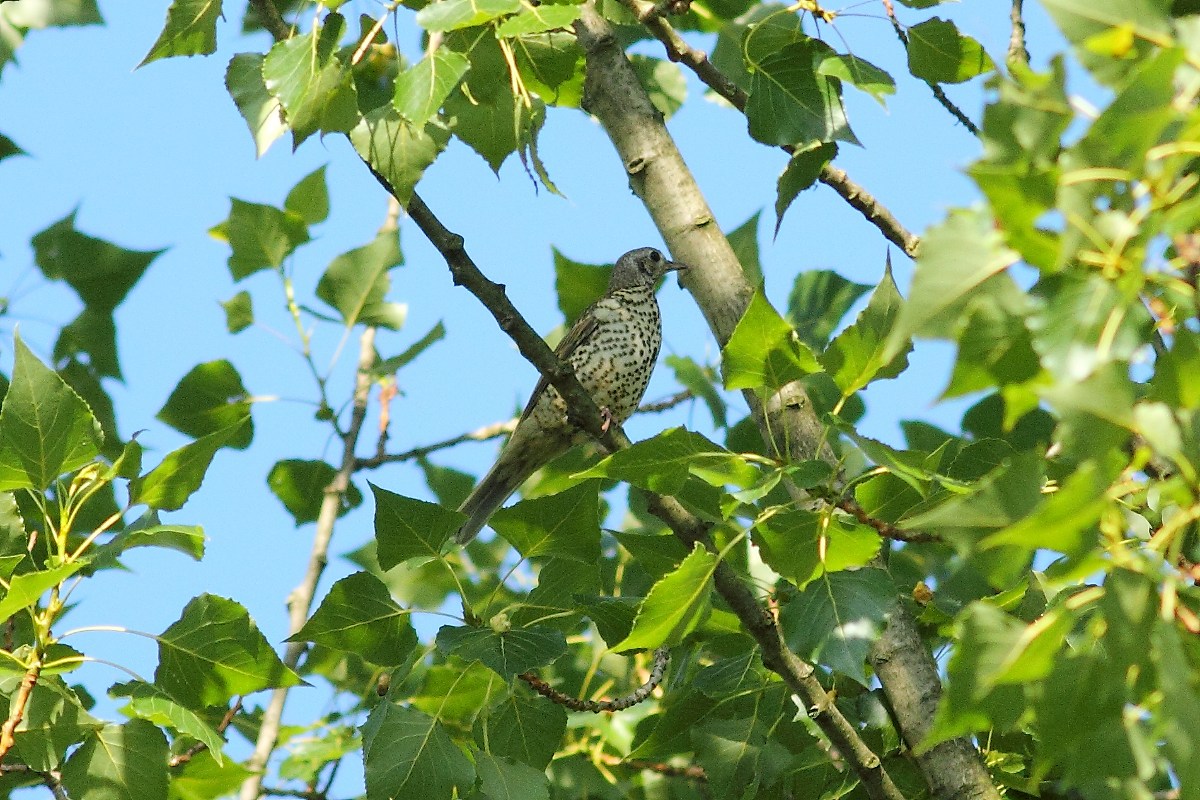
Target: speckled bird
[612, 347]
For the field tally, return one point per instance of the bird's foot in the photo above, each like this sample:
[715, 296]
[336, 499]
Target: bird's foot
[606, 419]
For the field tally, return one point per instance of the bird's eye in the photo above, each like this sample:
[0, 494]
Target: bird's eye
[655, 256]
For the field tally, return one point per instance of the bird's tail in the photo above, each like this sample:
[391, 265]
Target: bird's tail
[489, 494]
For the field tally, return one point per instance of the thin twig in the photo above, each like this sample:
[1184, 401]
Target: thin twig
[489, 432]
[662, 657]
[938, 93]
[1017, 52]
[693, 772]
[19, 703]
[301, 600]
[884, 529]
[697, 61]
[199, 747]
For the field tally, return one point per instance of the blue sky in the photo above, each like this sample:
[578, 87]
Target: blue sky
[150, 157]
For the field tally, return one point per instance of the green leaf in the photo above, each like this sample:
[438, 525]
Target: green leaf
[152, 704]
[313, 86]
[551, 64]
[310, 755]
[1064, 521]
[450, 15]
[998, 500]
[856, 356]
[509, 653]
[858, 72]
[423, 88]
[956, 258]
[46, 429]
[663, 81]
[733, 674]
[744, 241]
[505, 779]
[801, 173]
[25, 589]
[1146, 24]
[676, 604]
[209, 399]
[9, 148]
[168, 486]
[525, 729]
[564, 525]
[100, 272]
[309, 199]
[359, 616]
[938, 53]
[802, 545]
[554, 600]
[764, 351]
[191, 29]
[538, 19]
[663, 463]
[120, 762]
[837, 618]
[215, 651]
[300, 485]
[259, 108]
[396, 149]
[409, 754]
[239, 312]
[148, 531]
[578, 285]
[406, 528]
[357, 281]
[390, 366]
[259, 236]
[699, 381]
[731, 750]
[202, 778]
[972, 701]
[817, 303]
[790, 104]
[496, 126]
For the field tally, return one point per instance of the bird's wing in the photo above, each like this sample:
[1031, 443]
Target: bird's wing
[580, 332]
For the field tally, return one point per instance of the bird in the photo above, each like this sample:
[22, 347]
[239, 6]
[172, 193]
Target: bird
[612, 348]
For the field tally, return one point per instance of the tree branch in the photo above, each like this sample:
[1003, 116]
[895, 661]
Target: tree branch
[271, 20]
[697, 61]
[301, 600]
[939, 94]
[776, 656]
[1017, 52]
[662, 657]
[660, 178]
[19, 703]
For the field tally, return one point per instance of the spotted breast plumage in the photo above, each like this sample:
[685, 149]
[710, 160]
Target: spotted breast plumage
[612, 348]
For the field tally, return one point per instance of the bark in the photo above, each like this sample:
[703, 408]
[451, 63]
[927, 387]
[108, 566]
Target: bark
[662, 181]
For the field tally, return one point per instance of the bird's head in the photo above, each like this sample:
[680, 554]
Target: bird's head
[641, 267]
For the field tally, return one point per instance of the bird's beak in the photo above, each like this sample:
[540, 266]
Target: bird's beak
[676, 266]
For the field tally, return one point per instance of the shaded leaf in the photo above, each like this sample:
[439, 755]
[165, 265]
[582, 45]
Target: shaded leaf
[504, 779]
[409, 754]
[168, 486]
[407, 528]
[578, 285]
[507, 653]
[837, 618]
[152, 704]
[239, 312]
[120, 762]
[818, 301]
[396, 149]
[525, 729]
[422, 88]
[664, 462]
[300, 485]
[856, 356]
[801, 173]
[309, 199]
[790, 104]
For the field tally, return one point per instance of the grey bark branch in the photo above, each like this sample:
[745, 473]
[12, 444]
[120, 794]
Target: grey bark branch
[1017, 52]
[659, 177]
[301, 599]
[835, 178]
